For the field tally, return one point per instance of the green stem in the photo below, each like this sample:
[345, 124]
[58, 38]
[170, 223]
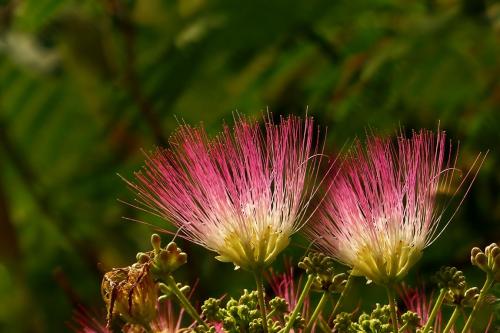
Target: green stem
[487, 284]
[271, 314]
[392, 307]
[342, 296]
[403, 328]
[316, 312]
[170, 282]
[298, 306]
[434, 311]
[452, 320]
[323, 325]
[261, 296]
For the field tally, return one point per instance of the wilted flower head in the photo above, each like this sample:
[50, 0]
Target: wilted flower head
[131, 293]
[381, 210]
[241, 194]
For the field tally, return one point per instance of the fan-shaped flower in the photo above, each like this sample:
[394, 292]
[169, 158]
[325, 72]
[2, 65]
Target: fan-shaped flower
[381, 210]
[241, 194]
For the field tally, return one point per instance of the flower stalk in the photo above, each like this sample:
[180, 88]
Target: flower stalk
[317, 311]
[393, 308]
[342, 296]
[261, 297]
[487, 285]
[183, 300]
[298, 306]
[453, 319]
[434, 311]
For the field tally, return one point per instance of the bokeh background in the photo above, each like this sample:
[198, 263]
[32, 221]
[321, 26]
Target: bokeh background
[85, 85]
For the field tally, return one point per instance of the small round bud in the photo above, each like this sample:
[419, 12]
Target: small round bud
[142, 258]
[496, 264]
[163, 298]
[481, 260]
[211, 309]
[495, 252]
[182, 258]
[278, 304]
[164, 289]
[490, 248]
[410, 319]
[156, 242]
[475, 251]
[171, 247]
[185, 289]
[471, 292]
[342, 322]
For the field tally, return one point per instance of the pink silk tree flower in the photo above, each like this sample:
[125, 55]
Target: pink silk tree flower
[381, 209]
[241, 194]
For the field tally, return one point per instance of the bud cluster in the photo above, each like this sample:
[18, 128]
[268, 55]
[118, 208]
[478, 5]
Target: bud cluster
[411, 320]
[321, 267]
[456, 292]
[242, 315]
[376, 322]
[488, 261]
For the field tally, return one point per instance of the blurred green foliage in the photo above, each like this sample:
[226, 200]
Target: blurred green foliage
[84, 85]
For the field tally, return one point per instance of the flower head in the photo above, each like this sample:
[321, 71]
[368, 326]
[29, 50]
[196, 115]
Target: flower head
[381, 210]
[241, 194]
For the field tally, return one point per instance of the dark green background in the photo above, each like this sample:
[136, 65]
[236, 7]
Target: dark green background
[84, 85]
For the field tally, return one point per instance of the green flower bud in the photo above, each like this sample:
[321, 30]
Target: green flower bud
[450, 278]
[243, 312]
[256, 326]
[280, 305]
[156, 242]
[410, 319]
[142, 258]
[211, 310]
[470, 296]
[317, 263]
[167, 260]
[488, 261]
[338, 283]
[342, 322]
[481, 261]
[273, 326]
[382, 313]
